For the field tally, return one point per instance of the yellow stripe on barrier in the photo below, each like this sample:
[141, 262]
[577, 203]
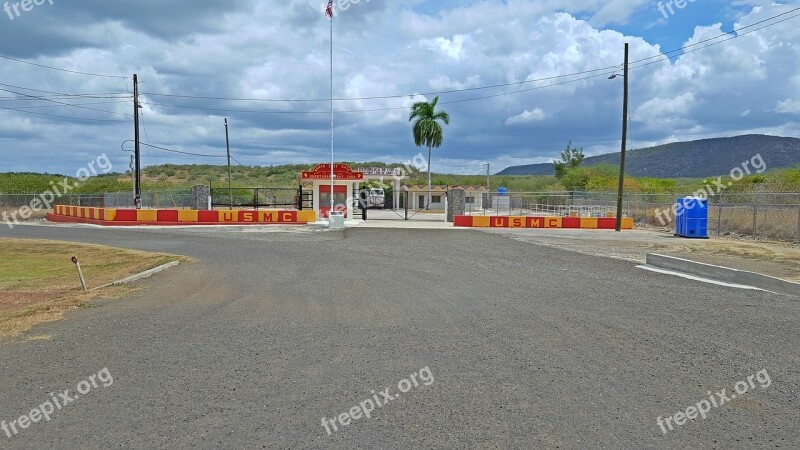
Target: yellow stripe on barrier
[147, 215]
[306, 216]
[627, 223]
[187, 216]
[589, 223]
[480, 221]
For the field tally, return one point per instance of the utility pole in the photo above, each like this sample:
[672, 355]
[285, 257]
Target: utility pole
[137, 186]
[132, 166]
[488, 186]
[621, 190]
[228, 146]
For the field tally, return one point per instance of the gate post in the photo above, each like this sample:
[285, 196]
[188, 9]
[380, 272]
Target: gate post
[300, 197]
[456, 203]
[200, 196]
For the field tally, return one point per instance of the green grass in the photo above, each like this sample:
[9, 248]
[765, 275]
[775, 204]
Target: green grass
[38, 282]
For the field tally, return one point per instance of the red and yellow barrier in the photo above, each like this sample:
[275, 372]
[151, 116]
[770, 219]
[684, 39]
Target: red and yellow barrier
[586, 223]
[123, 217]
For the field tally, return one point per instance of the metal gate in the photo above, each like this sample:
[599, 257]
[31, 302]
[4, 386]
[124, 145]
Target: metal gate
[255, 198]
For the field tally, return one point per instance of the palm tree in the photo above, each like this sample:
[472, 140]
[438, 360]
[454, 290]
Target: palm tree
[427, 130]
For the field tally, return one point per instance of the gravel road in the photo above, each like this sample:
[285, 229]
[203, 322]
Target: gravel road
[263, 334]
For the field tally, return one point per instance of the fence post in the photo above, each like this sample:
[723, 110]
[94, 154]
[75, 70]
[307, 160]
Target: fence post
[300, 197]
[798, 225]
[719, 214]
[405, 203]
[628, 202]
[755, 215]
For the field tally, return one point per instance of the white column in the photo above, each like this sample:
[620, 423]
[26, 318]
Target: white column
[396, 195]
[315, 187]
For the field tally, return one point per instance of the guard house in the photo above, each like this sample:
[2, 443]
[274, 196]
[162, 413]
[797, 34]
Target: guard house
[344, 183]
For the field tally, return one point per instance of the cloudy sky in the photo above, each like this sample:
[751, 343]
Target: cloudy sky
[265, 66]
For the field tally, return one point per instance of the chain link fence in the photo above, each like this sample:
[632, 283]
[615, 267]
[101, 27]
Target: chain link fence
[179, 199]
[759, 214]
[756, 214]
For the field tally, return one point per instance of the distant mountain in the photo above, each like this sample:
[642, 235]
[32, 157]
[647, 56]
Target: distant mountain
[694, 159]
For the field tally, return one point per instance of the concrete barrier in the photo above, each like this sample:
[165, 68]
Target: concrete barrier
[587, 223]
[723, 274]
[129, 217]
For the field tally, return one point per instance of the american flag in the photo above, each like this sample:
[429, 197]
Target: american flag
[329, 10]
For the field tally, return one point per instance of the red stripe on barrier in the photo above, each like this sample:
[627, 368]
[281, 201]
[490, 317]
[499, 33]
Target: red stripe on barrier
[126, 215]
[462, 221]
[535, 222]
[499, 221]
[571, 222]
[167, 215]
[287, 216]
[606, 223]
[208, 216]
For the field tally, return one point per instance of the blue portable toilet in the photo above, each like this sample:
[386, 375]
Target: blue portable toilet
[502, 191]
[691, 218]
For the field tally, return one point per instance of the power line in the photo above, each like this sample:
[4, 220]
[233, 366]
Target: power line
[60, 69]
[60, 106]
[61, 93]
[65, 104]
[665, 58]
[383, 97]
[61, 117]
[61, 97]
[181, 152]
[736, 31]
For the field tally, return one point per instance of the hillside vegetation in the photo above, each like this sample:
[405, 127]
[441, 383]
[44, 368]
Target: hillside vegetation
[694, 159]
[602, 177]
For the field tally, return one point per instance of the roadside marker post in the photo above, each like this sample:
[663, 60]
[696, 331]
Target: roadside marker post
[80, 272]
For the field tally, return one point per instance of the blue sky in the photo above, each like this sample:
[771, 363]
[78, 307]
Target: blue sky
[276, 53]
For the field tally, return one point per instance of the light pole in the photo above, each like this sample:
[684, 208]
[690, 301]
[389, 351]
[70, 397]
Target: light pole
[488, 186]
[228, 147]
[621, 190]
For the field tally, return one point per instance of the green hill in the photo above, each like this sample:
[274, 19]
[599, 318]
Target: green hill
[694, 159]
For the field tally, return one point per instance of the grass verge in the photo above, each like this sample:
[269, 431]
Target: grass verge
[39, 283]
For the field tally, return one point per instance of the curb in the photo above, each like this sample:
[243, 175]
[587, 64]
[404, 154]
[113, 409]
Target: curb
[140, 275]
[724, 274]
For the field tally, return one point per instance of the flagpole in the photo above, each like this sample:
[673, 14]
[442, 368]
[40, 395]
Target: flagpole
[332, 176]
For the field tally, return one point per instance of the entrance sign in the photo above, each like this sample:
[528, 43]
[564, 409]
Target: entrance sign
[341, 172]
[345, 181]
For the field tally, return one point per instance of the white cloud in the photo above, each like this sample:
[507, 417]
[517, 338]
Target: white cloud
[452, 48]
[529, 115]
[382, 49]
[788, 106]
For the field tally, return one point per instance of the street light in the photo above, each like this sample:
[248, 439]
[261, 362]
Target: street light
[621, 189]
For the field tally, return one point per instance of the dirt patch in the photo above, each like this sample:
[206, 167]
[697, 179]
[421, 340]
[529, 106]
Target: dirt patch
[10, 300]
[777, 259]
